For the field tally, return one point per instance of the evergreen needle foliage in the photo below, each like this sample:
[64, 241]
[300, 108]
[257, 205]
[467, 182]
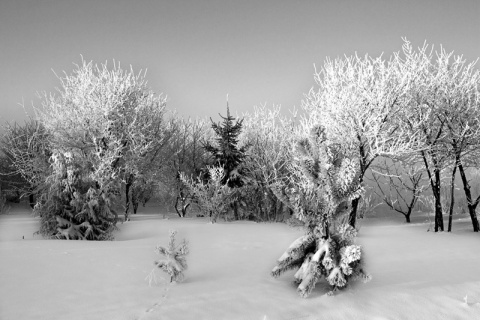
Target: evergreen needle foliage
[324, 180]
[226, 153]
[174, 262]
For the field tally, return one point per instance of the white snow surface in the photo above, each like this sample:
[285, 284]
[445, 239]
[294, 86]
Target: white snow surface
[416, 274]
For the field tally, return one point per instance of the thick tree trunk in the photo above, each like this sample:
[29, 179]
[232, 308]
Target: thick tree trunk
[407, 216]
[468, 195]
[352, 220]
[31, 200]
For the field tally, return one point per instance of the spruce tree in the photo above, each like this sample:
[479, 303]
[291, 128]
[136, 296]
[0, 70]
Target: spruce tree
[226, 153]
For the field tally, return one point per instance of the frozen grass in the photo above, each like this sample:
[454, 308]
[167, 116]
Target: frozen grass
[416, 274]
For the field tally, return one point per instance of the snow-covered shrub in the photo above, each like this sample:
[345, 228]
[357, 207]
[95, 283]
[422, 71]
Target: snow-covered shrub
[324, 179]
[174, 263]
[213, 197]
[72, 205]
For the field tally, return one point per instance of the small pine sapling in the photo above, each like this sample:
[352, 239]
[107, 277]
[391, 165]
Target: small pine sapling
[174, 262]
[324, 180]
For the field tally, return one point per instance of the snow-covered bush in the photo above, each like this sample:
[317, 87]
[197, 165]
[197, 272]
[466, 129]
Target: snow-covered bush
[71, 206]
[324, 179]
[213, 197]
[174, 263]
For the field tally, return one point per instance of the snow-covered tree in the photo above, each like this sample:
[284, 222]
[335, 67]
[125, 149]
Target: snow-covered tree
[446, 94]
[325, 178]
[26, 150]
[109, 122]
[229, 155]
[359, 101]
[71, 207]
[175, 262]
[455, 93]
[187, 156]
[213, 196]
[269, 136]
[400, 186]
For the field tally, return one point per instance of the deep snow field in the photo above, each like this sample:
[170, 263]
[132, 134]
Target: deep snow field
[416, 274]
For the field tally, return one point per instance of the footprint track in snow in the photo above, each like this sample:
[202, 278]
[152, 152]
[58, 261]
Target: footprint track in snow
[157, 304]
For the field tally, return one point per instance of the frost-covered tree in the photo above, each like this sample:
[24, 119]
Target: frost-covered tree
[269, 136]
[359, 101]
[71, 207]
[26, 150]
[213, 196]
[187, 156]
[400, 186]
[325, 178]
[108, 122]
[446, 94]
[455, 93]
[175, 262]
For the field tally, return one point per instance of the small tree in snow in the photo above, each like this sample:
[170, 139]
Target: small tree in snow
[325, 178]
[174, 263]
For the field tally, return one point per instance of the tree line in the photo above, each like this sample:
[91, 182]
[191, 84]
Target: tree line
[105, 143]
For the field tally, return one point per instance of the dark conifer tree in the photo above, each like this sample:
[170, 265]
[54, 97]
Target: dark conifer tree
[226, 153]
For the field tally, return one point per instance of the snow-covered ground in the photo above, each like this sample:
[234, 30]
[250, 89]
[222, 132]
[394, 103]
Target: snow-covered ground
[416, 274]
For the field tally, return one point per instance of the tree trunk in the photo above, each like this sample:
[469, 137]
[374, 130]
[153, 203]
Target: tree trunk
[438, 203]
[31, 200]
[127, 199]
[135, 206]
[235, 210]
[452, 198]
[184, 209]
[468, 195]
[352, 219]
[280, 210]
[407, 216]
[176, 208]
[436, 188]
[135, 200]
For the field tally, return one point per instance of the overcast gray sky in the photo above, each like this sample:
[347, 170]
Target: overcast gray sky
[198, 51]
